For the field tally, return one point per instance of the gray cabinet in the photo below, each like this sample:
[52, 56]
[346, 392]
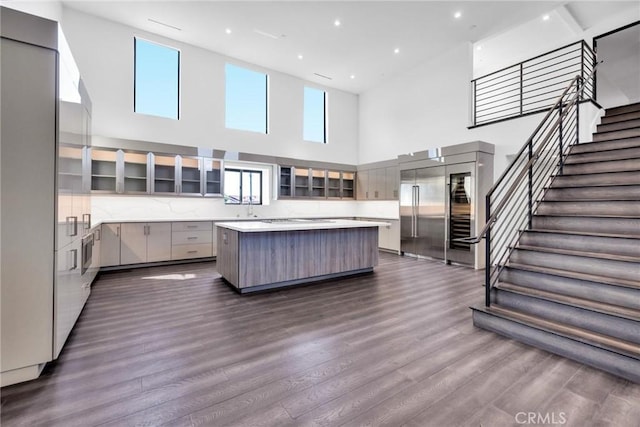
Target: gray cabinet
[124, 171]
[110, 245]
[145, 242]
[378, 183]
[362, 187]
[191, 240]
[392, 183]
[28, 133]
[318, 183]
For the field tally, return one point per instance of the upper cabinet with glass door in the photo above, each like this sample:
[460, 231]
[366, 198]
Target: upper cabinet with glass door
[164, 174]
[119, 171]
[190, 176]
[213, 184]
[301, 182]
[135, 172]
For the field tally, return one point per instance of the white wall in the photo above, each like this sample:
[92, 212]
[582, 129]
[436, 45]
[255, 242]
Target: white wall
[428, 107]
[104, 53]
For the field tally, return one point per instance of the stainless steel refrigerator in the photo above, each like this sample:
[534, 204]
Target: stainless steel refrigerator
[422, 212]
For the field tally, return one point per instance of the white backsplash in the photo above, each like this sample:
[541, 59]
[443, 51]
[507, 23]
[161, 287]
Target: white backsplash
[142, 208]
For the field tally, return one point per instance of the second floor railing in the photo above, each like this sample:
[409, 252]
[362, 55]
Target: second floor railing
[533, 85]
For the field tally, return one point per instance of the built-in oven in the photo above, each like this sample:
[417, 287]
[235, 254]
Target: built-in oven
[87, 252]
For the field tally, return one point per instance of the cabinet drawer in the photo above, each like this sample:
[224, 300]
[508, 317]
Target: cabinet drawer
[190, 237]
[191, 251]
[192, 226]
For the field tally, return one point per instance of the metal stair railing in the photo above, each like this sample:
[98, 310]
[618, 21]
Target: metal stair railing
[513, 199]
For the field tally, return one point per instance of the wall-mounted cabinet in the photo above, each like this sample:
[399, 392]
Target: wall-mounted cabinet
[378, 183]
[164, 174]
[212, 177]
[317, 183]
[130, 172]
[135, 172]
[103, 170]
[190, 169]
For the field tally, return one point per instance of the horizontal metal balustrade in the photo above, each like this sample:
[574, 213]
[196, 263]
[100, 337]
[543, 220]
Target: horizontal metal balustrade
[533, 85]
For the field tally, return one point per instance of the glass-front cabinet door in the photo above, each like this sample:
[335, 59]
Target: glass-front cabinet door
[212, 177]
[135, 173]
[285, 181]
[103, 170]
[301, 182]
[318, 183]
[164, 174]
[190, 176]
[348, 185]
[333, 184]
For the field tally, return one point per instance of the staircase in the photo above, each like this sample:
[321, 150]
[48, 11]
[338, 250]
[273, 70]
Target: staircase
[571, 285]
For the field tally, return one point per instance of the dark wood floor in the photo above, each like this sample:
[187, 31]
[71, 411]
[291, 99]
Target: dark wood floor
[174, 345]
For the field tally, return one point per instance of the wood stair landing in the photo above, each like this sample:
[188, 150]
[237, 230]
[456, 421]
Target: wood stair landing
[572, 283]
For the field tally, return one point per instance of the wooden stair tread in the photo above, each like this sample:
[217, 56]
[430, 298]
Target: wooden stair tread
[600, 172]
[575, 161]
[575, 275]
[577, 334]
[601, 307]
[582, 215]
[560, 187]
[584, 233]
[585, 254]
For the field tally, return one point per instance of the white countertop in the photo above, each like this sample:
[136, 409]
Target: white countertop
[296, 224]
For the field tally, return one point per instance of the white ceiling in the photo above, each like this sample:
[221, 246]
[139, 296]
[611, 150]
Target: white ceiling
[363, 45]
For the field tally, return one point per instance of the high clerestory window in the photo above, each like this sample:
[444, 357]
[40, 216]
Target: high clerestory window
[246, 99]
[315, 115]
[156, 79]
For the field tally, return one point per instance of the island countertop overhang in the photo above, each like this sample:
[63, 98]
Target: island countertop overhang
[296, 224]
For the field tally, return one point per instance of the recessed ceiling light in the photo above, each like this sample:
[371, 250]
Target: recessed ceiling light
[352, 76]
[545, 18]
[457, 15]
[479, 47]
[396, 50]
[300, 56]
[227, 30]
[336, 22]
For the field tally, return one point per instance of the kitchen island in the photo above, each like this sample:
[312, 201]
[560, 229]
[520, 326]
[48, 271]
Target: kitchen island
[259, 255]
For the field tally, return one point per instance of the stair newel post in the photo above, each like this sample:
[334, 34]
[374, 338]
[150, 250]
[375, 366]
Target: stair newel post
[580, 96]
[530, 184]
[475, 100]
[560, 139]
[580, 87]
[487, 254]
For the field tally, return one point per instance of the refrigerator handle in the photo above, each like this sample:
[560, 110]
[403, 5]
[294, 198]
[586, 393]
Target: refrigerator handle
[414, 222]
[417, 208]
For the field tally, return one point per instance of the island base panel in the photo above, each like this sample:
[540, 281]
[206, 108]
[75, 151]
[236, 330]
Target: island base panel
[285, 258]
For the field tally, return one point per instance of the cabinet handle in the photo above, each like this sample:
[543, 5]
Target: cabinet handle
[192, 252]
[86, 218]
[375, 194]
[192, 226]
[366, 194]
[192, 238]
[74, 226]
[118, 231]
[75, 259]
[97, 235]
